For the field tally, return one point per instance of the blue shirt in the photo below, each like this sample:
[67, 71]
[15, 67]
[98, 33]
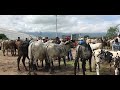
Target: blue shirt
[81, 42]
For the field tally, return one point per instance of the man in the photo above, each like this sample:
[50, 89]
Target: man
[18, 39]
[116, 45]
[70, 56]
[26, 39]
[57, 40]
[82, 42]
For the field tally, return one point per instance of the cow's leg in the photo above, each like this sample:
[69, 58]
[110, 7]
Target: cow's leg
[4, 52]
[51, 66]
[83, 66]
[110, 66]
[15, 52]
[11, 52]
[47, 64]
[116, 71]
[30, 66]
[97, 68]
[18, 61]
[42, 64]
[7, 52]
[64, 61]
[34, 66]
[28, 61]
[23, 61]
[37, 63]
[90, 64]
[59, 61]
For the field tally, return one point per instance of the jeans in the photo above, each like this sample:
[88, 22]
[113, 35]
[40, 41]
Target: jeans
[116, 47]
[70, 57]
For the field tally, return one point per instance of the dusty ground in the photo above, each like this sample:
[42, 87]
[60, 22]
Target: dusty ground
[8, 66]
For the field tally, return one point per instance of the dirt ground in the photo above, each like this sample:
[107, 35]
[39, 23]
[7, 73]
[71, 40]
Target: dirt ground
[8, 66]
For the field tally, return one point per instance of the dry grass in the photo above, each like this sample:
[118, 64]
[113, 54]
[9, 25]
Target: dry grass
[8, 66]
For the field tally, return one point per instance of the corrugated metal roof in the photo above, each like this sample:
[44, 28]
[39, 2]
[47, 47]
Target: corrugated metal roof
[11, 34]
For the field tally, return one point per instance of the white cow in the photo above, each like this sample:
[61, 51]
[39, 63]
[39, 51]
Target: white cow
[96, 46]
[37, 50]
[58, 51]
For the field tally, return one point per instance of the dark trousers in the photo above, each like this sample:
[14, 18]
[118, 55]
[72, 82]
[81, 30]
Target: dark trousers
[70, 57]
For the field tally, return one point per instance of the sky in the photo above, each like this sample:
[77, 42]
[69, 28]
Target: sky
[65, 23]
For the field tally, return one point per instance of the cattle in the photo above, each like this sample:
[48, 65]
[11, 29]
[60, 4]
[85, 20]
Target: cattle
[117, 64]
[0, 44]
[55, 51]
[96, 46]
[23, 52]
[101, 56]
[93, 41]
[17, 45]
[36, 50]
[84, 53]
[8, 45]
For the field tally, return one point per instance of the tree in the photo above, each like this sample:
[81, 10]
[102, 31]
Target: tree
[3, 36]
[112, 32]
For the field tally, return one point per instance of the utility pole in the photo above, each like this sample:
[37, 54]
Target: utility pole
[56, 27]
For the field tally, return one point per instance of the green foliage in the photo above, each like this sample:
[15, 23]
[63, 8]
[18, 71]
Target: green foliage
[3, 36]
[112, 32]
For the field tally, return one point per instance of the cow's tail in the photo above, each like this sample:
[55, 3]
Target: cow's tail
[2, 45]
[30, 51]
[30, 58]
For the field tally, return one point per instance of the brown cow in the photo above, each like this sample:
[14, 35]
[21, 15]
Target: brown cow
[8, 45]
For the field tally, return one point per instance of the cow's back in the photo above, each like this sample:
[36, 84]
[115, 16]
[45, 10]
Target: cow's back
[37, 49]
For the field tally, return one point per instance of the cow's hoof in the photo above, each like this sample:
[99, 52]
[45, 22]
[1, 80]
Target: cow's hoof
[90, 70]
[52, 72]
[35, 73]
[59, 67]
[29, 73]
[26, 69]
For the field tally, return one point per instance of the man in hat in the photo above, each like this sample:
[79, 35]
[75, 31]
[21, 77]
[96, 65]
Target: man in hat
[82, 41]
[57, 40]
[18, 39]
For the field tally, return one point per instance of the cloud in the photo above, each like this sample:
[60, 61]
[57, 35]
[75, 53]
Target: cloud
[65, 23]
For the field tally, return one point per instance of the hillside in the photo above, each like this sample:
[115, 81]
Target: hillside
[53, 34]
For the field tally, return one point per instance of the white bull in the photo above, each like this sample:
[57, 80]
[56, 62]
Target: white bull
[58, 51]
[96, 46]
[37, 50]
